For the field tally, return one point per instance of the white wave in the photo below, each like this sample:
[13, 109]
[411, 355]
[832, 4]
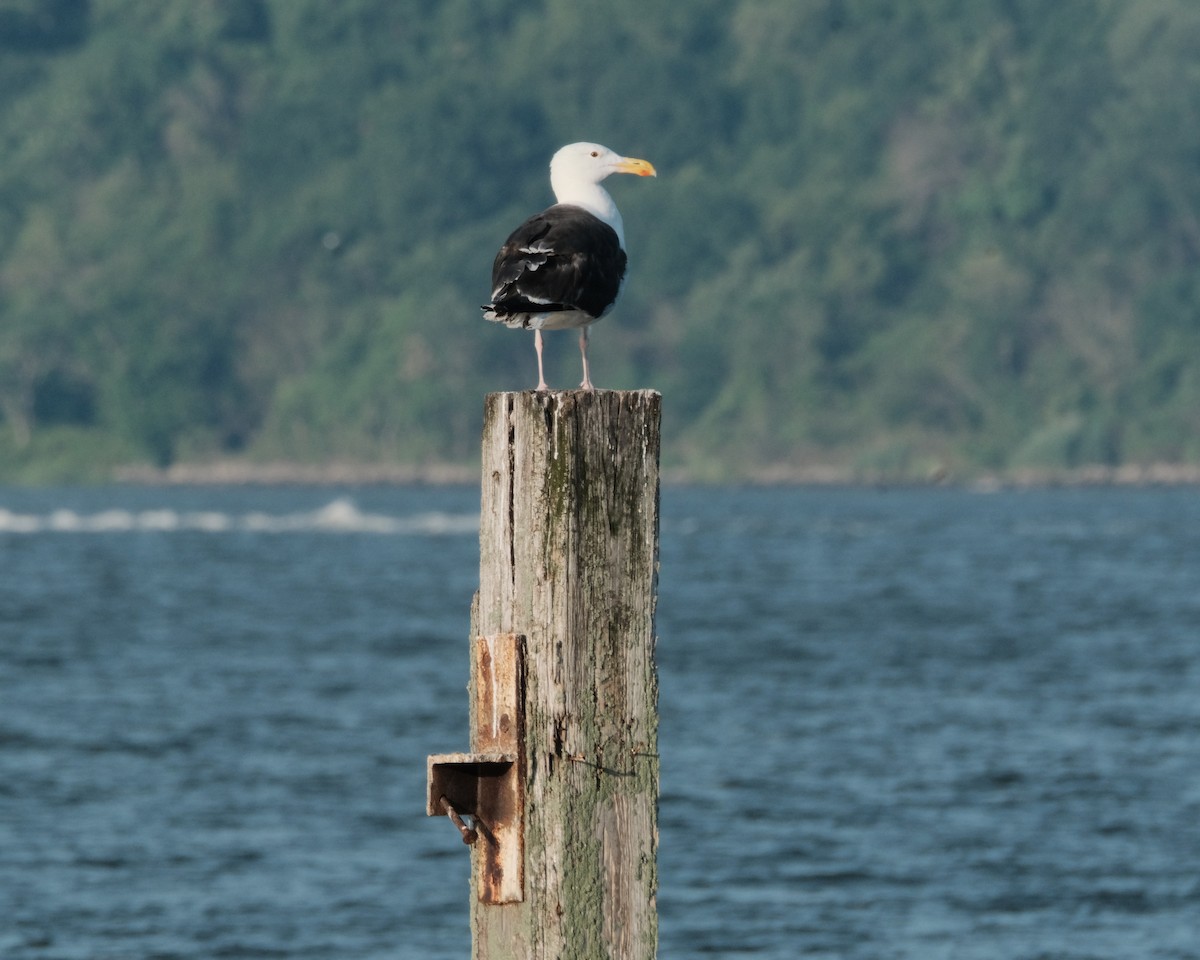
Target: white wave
[18, 522]
[338, 516]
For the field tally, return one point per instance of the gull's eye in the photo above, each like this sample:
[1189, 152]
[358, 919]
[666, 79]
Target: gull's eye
[595, 153]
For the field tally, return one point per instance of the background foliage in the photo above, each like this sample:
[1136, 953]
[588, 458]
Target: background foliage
[895, 238]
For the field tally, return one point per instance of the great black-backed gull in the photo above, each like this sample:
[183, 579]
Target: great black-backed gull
[562, 268]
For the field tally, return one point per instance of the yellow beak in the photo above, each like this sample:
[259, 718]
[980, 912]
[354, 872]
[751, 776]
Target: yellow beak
[639, 167]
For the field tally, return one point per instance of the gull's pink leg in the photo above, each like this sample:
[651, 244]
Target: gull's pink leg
[583, 342]
[537, 345]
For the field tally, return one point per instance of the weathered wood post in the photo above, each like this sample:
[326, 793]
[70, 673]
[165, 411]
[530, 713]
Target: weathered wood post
[568, 572]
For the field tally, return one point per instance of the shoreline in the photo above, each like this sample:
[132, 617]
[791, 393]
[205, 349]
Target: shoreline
[343, 473]
[284, 473]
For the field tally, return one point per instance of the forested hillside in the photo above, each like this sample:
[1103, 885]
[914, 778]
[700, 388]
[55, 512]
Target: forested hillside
[894, 238]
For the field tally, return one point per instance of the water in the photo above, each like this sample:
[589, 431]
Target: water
[905, 724]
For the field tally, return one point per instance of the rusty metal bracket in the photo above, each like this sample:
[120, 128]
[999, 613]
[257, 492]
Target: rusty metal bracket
[487, 784]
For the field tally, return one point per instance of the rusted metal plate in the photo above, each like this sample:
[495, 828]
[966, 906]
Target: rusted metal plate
[499, 685]
[488, 783]
[498, 693]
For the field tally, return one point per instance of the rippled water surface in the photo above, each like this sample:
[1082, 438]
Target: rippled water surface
[919, 724]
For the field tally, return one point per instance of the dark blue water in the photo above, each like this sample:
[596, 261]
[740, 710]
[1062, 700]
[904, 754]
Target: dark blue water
[918, 724]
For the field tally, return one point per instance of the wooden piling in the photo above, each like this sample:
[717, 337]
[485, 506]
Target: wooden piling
[568, 561]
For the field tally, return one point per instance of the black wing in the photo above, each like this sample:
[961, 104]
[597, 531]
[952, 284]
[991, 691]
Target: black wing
[563, 258]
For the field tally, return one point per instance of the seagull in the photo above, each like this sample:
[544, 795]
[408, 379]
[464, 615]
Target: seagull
[562, 268]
